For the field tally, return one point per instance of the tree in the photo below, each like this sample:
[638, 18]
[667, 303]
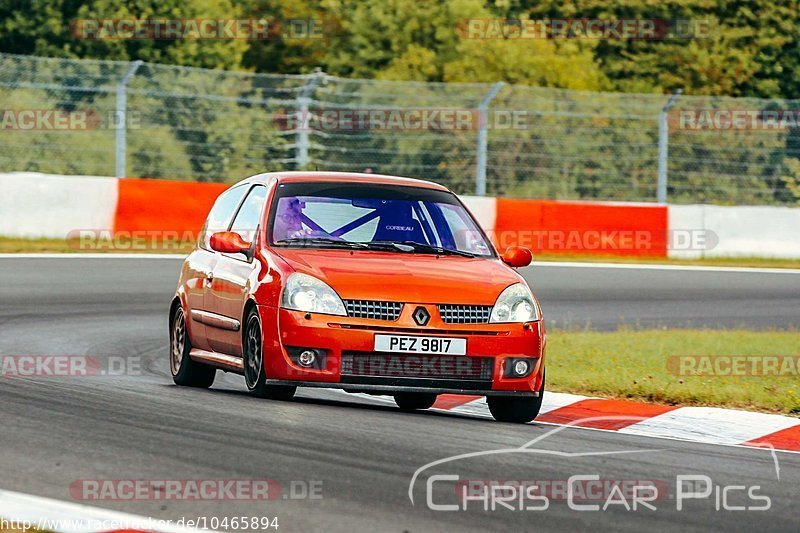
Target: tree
[42, 27]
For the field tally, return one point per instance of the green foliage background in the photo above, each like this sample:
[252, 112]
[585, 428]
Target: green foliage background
[751, 50]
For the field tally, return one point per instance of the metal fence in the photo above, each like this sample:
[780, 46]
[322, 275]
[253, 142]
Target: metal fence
[158, 121]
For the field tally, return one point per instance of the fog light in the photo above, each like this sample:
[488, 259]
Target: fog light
[521, 367]
[307, 358]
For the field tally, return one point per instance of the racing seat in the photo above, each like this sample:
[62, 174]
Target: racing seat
[399, 225]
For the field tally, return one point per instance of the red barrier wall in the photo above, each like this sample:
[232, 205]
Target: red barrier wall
[582, 228]
[545, 226]
[161, 205]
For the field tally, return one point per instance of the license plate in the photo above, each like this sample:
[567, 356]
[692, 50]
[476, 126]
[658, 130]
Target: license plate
[415, 344]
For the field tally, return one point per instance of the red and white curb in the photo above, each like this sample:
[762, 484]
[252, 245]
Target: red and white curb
[20, 511]
[709, 425]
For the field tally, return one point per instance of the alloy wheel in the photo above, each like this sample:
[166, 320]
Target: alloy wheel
[178, 342]
[253, 352]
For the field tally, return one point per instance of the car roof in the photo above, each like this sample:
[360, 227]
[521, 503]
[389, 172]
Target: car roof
[342, 177]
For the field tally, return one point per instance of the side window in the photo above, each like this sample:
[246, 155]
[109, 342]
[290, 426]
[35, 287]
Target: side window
[466, 235]
[249, 216]
[221, 214]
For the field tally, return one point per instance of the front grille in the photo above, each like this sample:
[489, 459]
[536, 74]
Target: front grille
[417, 366]
[465, 314]
[414, 331]
[374, 310]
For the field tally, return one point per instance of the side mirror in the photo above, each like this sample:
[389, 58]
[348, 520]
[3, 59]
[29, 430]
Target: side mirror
[229, 242]
[517, 257]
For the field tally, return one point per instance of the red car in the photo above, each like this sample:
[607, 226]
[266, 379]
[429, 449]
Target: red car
[361, 282]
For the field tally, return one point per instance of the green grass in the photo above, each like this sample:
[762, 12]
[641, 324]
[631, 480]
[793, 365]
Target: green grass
[10, 245]
[630, 364]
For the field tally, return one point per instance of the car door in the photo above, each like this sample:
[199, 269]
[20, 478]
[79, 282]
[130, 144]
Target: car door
[200, 264]
[232, 277]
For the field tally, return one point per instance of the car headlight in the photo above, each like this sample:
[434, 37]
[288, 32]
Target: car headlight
[516, 304]
[306, 293]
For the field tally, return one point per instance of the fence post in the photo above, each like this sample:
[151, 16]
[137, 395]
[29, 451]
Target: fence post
[122, 119]
[663, 146]
[303, 139]
[483, 139]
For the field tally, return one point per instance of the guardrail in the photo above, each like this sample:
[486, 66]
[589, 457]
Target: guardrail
[56, 206]
[139, 119]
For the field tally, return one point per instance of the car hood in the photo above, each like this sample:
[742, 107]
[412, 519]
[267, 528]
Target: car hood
[411, 278]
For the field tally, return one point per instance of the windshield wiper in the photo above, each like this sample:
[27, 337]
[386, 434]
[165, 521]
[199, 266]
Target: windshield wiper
[320, 241]
[401, 246]
[413, 246]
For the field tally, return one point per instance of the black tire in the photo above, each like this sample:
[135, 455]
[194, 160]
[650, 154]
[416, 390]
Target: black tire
[254, 375]
[412, 401]
[513, 409]
[185, 371]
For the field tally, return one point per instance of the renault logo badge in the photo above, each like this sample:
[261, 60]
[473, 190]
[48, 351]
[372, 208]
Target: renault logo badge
[421, 316]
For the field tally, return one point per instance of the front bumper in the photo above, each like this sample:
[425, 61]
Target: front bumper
[342, 338]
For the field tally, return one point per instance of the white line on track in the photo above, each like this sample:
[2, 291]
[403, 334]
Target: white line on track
[67, 517]
[712, 424]
[538, 264]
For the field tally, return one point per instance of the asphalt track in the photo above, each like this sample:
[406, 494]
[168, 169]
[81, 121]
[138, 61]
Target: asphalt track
[54, 431]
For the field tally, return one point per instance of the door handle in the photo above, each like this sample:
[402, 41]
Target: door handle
[209, 278]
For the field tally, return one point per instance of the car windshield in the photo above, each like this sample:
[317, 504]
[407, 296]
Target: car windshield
[381, 217]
